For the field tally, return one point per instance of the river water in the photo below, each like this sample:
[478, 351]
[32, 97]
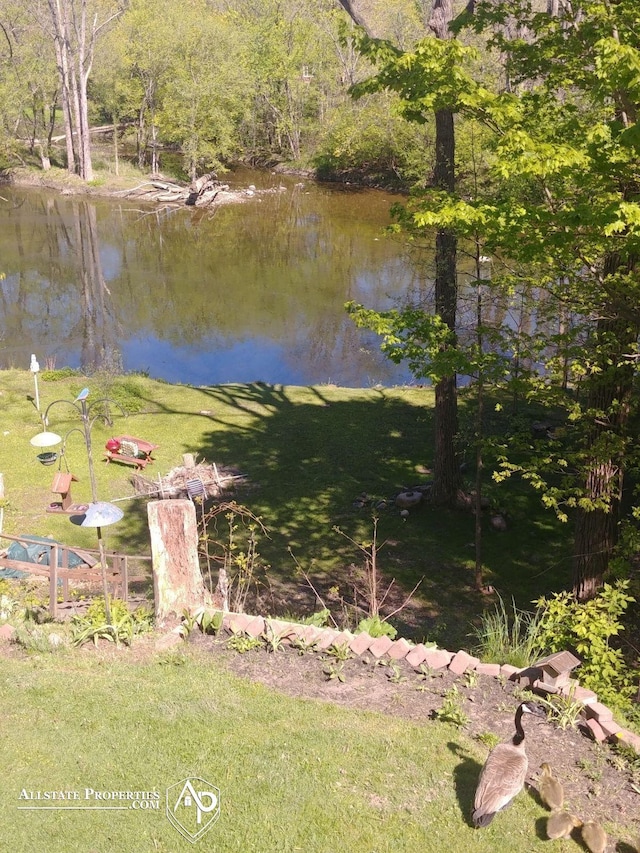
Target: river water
[248, 292]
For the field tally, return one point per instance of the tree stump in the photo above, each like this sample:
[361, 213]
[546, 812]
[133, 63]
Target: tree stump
[177, 580]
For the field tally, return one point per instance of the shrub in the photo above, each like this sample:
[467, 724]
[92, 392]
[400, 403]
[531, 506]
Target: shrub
[587, 627]
[58, 374]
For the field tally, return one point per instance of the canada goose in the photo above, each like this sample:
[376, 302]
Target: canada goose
[550, 789]
[561, 824]
[594, 836]
[504, 772]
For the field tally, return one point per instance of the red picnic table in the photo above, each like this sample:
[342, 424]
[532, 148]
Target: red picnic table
[130, 451]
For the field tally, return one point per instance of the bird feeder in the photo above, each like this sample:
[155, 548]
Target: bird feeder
[62, 486]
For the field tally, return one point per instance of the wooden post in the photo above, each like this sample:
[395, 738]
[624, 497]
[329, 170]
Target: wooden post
[177, 580]
[124, 568]
[53, 582]
[65, 579]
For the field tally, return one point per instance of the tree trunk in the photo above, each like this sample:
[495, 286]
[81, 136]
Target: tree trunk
[609, 395]
[177, 580]
[352, 7]
[595, 536]
[59, 18]
[85, 61]
[446, 470]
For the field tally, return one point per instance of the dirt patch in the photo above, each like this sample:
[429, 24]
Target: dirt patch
[599, 783]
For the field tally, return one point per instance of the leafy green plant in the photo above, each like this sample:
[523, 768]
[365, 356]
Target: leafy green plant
[340, 651]
[36, 639]
[8, 606]
[564, 711]
[470, 678]
[125, 624]
[335, 670]
[208, 621]
[273, 639]
[592, 769]
[188, 624]
[451, 710]
[58, 374]
[319, 619]
[588, 627]
[377, 627]
[394, 673]
[242, 643]
[118, 631]
[489, 739]
[303, 646]
[172, 657]
[425, 672]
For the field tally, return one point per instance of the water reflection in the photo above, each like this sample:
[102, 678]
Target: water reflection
[253, 292]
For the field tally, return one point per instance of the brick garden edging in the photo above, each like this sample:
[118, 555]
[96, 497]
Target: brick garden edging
[597, 718]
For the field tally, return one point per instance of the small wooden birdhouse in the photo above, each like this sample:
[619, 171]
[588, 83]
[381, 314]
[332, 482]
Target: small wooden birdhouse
[556, 668]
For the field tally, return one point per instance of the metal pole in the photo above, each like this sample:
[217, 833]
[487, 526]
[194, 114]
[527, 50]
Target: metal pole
[34, 368]
[87, 440]
[94, 497]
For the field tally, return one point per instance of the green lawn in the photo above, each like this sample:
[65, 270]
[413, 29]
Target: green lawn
[293, 774]
[307, 453]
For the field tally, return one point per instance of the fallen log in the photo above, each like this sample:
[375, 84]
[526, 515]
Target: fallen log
[202, 193]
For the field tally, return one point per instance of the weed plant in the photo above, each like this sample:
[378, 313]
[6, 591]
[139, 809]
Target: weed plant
[451, 710]
[508, 636]
[242, 643]
[124, 625]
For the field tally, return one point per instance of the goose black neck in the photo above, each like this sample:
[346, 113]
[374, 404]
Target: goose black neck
[519, 735]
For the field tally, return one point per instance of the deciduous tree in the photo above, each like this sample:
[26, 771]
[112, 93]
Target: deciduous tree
[446, 468]
[75, 26]
[562, 211]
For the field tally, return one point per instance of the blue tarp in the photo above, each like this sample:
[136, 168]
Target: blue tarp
[34, 552]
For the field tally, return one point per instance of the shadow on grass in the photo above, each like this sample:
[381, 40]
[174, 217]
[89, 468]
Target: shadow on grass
[308, 454]
[465, 778]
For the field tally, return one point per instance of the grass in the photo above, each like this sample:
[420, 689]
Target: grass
[508, 635]
[307, 453]
[293, 774]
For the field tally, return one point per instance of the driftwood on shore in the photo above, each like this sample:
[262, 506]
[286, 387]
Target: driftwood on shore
[204, 191]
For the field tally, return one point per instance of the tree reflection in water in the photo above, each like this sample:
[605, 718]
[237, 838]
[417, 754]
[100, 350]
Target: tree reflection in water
[254, 292]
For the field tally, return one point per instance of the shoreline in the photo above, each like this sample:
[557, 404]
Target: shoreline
[108, 185]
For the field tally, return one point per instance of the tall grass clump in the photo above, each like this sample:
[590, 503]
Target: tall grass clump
[507, 635]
